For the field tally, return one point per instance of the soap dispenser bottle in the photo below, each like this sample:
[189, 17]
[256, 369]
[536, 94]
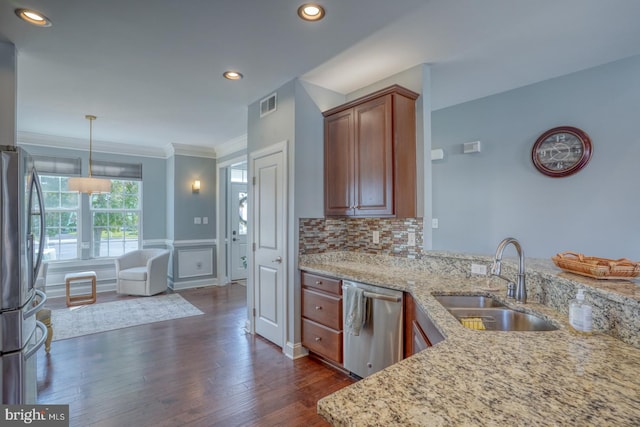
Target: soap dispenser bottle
[580, 314]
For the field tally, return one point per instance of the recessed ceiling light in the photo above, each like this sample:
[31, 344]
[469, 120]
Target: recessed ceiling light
[232, 75]
[33, 17]
[311, 12]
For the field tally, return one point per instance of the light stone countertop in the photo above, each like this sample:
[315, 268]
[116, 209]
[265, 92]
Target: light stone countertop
[485, 378]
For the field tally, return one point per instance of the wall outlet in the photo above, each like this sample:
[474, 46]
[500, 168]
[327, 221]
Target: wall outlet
[197, 220]
[205, 220]
[411, 240]
[479, 269]
[376, 236]
[434, 223]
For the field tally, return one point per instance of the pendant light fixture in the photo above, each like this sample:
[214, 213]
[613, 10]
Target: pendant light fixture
[89, 184]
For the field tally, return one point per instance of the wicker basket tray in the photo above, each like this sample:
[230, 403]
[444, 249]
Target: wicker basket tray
[597, 268]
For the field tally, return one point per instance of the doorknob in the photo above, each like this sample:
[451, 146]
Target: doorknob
[278, 260]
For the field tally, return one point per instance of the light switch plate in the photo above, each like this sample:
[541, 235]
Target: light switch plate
[376, 236]
[205, 220]
[197, 220]
[411, 241]
[479, 269]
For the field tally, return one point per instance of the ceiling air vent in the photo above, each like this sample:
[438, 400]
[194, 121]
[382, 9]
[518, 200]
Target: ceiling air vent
[268, 105]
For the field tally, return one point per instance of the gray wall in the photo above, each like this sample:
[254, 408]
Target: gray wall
[8, 91]
[274, 127]
[481, 198]
[188, 204]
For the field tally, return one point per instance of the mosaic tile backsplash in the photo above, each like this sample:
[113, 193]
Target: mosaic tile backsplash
[318, 235]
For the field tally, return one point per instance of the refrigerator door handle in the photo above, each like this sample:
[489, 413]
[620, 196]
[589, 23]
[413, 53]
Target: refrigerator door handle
[35, 183]
[30, 312]
[41, 341]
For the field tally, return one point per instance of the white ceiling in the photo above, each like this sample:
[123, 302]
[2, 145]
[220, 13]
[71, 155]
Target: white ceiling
[151, 70]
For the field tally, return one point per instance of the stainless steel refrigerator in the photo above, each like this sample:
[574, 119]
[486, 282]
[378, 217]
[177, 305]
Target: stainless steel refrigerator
[21, 245]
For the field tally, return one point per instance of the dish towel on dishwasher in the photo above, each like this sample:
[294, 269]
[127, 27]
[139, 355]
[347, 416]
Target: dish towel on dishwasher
[354, 317]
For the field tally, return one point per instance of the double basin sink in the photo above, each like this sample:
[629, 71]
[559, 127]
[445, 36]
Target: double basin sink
[488, 314]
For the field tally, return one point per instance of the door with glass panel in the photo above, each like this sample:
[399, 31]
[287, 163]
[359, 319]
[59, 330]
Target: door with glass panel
[238, 222]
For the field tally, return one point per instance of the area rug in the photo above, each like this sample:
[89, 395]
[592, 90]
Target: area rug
[90, 319]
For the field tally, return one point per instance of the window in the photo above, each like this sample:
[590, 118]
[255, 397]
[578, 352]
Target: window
[115, 219]
[62, 210]
[98, 225]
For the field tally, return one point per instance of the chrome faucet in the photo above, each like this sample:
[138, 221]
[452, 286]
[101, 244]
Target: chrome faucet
[521, 289]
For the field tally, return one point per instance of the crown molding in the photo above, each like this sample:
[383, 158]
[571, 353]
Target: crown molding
[232, 146]
[175, 149]
[81, 144]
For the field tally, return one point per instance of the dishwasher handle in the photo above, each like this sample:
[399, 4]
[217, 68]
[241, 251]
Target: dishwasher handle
[382, 297]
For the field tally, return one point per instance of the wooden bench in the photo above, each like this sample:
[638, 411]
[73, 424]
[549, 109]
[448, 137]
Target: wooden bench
[83, 298]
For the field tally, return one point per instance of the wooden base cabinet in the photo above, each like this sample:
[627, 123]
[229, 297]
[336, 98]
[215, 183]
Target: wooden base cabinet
[420, 332]
[322, 316]
[370, 156]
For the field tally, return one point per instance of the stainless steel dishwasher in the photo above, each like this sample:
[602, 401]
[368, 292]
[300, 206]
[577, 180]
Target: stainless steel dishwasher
[379, 343]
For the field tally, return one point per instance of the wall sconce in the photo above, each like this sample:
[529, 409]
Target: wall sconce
[195, 187]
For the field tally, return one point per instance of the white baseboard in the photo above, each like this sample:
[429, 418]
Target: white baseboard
[56, 291]
[295, 351]
[190, 284]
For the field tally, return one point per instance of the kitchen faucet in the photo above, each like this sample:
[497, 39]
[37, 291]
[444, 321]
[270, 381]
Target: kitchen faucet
[521, 289]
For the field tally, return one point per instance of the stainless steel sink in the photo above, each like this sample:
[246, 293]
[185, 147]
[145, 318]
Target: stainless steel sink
[485, 313]
[467, 301]
[500, 319]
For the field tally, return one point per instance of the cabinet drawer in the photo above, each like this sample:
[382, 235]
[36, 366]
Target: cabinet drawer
[322, 308]
[322, 340]
[323, 283]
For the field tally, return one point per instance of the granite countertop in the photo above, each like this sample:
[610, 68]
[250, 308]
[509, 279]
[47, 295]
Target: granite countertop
[484, 378]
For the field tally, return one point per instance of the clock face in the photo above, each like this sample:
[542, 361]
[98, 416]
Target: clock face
[561, 151]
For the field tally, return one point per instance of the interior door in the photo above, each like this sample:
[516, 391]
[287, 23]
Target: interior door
[238, 219]
[269, 240]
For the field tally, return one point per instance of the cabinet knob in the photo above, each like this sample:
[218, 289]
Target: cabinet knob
[318, 339]
[318, 307]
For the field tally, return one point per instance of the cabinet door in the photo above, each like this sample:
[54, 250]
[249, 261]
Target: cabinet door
[338, 164]
[373, 146]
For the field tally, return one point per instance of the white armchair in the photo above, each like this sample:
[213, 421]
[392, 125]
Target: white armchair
[142, 272]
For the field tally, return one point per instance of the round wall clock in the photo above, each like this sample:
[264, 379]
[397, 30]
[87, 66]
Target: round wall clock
[561, 151]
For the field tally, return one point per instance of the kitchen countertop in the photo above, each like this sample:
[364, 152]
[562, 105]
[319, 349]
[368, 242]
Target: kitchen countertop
[484, 378]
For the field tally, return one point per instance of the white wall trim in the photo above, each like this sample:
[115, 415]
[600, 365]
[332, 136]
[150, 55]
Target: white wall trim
[60, 290]
[80, 144]
[156, 242]
[189, 150]
[100, 146]
[190, 284]
[295, 351]
[198, 242]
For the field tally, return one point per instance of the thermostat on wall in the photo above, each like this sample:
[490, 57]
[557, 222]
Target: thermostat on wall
[471, 147]
[437, 154]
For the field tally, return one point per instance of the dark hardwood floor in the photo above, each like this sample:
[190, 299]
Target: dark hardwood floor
[196, 371]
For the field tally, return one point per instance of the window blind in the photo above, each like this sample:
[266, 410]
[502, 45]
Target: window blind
[117, 170]
[46, 165]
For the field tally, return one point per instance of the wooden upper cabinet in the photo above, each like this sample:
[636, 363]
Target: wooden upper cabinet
[370, 156]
